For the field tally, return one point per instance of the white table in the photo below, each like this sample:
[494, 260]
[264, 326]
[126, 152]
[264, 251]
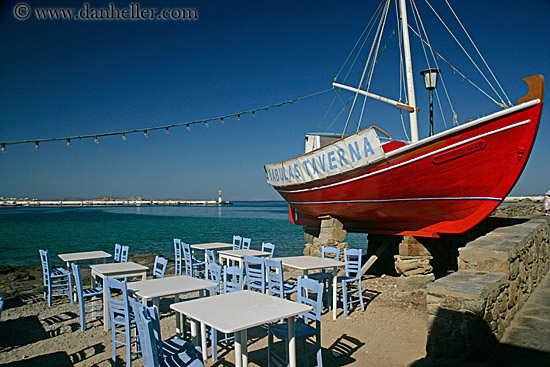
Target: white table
[115, 270]
[168, 287]
[83, 256]
[211, 246]
[238, 255]
[307, 263]
[237, 312]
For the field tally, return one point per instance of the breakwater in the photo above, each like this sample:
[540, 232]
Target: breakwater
[127, 202]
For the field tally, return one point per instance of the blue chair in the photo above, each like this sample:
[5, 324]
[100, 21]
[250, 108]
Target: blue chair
[268, 247]
[351, 282]
[124, 254]
[232, 282]
[246, 243]
[57, 282]
[193, 267]
[237, 242]
[326, 276]
[210, 256]
[92, 295]
[232, 279]
[310, 292]
[118, 249]
[255, 273]
[177, 256]
[155, 351]
[120, 318]
[160, 267]
[213, 274]
[275, 279]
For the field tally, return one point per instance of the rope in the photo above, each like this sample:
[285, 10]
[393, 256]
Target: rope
[167, 128]
[479, 53]
[503, 104]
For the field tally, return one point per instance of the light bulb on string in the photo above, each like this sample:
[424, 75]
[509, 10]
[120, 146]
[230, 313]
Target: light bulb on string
[253, 113]
[167, 131]
[69, 144]
[36, 145]
[124, 136]
[188, 127]
[96, 140]
[146, 134]
[4, 150]
[206, 124]
[238, 117]
[222, 120]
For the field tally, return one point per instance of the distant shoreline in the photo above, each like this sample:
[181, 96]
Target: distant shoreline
[12, 203]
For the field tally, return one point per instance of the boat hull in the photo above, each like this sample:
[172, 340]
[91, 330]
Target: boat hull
[447, 183]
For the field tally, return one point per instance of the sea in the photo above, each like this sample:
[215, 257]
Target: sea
[146, 229]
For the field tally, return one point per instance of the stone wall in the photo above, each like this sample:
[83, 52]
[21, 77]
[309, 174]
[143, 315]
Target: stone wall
[470, 309]
[331, 233]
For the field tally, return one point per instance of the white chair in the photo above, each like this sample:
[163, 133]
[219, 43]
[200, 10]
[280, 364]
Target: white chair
[232, 282]
[275, 279]
[160, 267]
[193, 267]
[268, 247]
[124, 254]
[155, 351]
[255, 273]
[177, 256]
[57, 282]
[307, 326]
[351, 282]
[118, 249]
[120, 318]
[326, 276]
[93, 296]
[237, 242]
[246, 243]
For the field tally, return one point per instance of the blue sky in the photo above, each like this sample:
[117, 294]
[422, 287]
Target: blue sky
[65, 78]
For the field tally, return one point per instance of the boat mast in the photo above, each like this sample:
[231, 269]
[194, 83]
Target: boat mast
[408, 70]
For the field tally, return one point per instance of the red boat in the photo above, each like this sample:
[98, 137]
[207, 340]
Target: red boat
[445, 183]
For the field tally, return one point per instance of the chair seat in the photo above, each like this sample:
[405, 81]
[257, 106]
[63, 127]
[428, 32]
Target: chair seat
[302, 330]
[321, 276]
[91, 292]
[60, 272]
[345, 278]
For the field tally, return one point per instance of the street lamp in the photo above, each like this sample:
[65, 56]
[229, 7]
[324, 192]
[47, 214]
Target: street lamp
[430, 80]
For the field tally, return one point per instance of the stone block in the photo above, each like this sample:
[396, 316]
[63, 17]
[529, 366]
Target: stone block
[410, 283]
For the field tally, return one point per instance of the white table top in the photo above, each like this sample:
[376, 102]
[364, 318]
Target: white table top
[309, 262]
[231, 312]
[83, 256]
[242, 253]
[117, 268]
[211, 246]
[169, 286]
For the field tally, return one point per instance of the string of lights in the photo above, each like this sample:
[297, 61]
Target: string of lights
[145, 131]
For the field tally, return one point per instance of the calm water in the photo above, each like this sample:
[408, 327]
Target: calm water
[25, 230]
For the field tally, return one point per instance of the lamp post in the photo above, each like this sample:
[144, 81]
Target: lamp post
[430, 80]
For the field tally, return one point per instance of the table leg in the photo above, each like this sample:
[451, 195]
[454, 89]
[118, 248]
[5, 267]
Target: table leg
[291, 342]
[203, 343]
[105, 306]
[334, 292]
[194, 338]
[244, 347]
[179, 329]
[156, 302]
[93, 278]
[238, 348]
[144, 275]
